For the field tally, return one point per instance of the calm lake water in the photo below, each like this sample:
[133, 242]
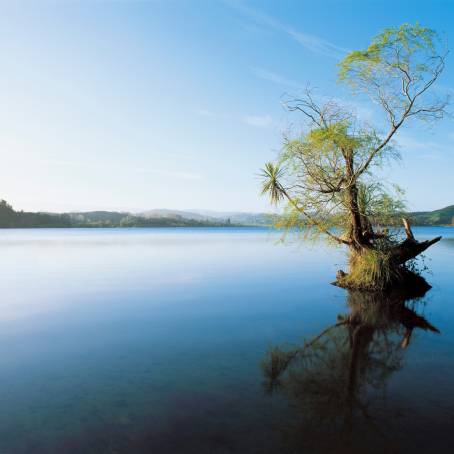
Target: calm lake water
[156, 341]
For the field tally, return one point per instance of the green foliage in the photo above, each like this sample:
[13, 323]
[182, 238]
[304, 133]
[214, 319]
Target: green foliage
[316, 171]
[271, 174]
[396, 70]
[383, 206]
[391, 52]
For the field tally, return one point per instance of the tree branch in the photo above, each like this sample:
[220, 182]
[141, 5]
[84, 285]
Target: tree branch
[313, 220]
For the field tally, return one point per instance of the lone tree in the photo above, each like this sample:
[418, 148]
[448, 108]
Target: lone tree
[328, 174]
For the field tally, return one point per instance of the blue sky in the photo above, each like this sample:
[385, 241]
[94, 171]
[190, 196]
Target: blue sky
[176, 104]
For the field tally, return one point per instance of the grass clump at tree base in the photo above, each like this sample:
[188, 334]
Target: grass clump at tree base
[371, 270]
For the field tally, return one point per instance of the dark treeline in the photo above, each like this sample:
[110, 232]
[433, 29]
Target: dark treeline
[9, 218]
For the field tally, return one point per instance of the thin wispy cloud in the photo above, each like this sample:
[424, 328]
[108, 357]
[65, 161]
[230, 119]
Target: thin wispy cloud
[172, 174]
[411, 143]
[64, 163]
[260, 121]
[275, 78]
[427, 149]
[311, 42]
[211, 114]
[205, 113]
[318, 45]
[177, 154]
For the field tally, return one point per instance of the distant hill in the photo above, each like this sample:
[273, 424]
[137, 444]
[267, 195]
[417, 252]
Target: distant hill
[98, 216]
[444, 216]
[164, 213]
[9, 218]
[234, 217]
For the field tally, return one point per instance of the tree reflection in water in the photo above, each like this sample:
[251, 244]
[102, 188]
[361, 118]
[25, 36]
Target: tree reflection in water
[337, 381]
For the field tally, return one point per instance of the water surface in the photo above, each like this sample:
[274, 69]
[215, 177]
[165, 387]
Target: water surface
[151, 340]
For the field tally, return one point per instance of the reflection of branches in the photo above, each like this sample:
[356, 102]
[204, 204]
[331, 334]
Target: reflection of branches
[337, 380]
[278, 360]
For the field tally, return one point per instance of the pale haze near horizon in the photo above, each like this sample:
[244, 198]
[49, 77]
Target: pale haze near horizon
[176, 104]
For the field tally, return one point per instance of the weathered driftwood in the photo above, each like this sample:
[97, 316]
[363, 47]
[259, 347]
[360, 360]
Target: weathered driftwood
[410, 247]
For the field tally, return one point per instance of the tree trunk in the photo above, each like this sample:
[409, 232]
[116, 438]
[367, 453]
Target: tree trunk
[356, 234]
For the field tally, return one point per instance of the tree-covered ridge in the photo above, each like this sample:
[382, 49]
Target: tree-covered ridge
[444, 216]
[9, 218]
